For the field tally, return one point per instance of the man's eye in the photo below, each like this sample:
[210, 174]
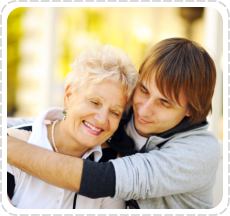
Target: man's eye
[143, 89]
[167, 105]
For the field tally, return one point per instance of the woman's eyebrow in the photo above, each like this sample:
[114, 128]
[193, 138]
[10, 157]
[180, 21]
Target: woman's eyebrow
[100, 97]
[95, 96]
[118, 107]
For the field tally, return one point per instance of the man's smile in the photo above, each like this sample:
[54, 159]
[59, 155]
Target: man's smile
[142, 121]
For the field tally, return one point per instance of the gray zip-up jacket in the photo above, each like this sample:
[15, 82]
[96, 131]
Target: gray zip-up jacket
[181, 174]
[175, 169]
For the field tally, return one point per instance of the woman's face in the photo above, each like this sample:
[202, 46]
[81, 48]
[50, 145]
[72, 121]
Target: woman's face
[94, 112]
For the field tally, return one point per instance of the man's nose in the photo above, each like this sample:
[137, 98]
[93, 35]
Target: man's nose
[146, 108]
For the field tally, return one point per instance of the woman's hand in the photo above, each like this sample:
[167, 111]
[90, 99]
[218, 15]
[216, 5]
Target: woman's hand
[9, 200]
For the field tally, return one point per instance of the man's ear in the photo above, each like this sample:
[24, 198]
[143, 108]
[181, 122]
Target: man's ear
[188, 113]
[67, 96]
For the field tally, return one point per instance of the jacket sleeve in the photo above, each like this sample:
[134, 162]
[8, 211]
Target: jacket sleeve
[98, 180]
[181, 165]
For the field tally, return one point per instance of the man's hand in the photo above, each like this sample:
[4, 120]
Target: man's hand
[57, 169]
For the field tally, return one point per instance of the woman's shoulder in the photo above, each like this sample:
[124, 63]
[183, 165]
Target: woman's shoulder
[22, 133]
[17, 122]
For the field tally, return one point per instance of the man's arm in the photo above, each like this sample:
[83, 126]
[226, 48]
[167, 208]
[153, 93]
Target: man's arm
[56, 169]
[88, 178]
[94, 181]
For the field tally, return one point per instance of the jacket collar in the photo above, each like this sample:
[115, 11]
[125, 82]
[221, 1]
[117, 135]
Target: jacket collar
[183, 126]
[122, 143]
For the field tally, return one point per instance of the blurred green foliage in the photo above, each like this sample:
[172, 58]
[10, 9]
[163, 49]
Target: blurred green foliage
[80, 27]
[14, 35]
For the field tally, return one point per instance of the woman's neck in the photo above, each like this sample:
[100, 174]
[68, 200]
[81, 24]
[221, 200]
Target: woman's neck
[63, 142]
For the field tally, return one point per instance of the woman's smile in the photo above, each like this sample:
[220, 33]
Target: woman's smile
[93, 129]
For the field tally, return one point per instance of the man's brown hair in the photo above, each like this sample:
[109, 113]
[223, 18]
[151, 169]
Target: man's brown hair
[179, 65]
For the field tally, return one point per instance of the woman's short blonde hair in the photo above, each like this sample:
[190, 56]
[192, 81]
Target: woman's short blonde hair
[98, 63]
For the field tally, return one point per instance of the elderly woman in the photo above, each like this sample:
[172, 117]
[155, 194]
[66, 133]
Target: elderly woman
[96, 92]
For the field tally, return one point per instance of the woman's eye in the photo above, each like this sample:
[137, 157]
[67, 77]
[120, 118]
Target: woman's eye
[94, 102]
[115, 113]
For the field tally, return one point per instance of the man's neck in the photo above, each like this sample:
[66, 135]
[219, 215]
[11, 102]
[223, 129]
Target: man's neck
[139, 140]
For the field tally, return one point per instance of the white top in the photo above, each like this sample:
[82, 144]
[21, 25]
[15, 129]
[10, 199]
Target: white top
[139, 141]
[32, 193]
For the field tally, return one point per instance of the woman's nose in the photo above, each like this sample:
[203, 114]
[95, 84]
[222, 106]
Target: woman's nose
[101, 117]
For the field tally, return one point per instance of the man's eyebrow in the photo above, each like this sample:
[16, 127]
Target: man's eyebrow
[170, 102]
[164, 99]
[143, 86]
[167, 101]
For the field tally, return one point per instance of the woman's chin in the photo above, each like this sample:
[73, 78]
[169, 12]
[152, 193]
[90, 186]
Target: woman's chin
[90, 144]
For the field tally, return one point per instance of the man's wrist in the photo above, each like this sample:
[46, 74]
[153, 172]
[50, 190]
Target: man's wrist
[98, 180]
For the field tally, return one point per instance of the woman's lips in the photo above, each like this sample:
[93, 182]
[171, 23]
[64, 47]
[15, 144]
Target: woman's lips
[91, 130]
[142, 121]
[96, 126]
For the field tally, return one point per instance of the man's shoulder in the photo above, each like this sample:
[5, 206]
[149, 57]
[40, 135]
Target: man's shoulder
[197, 142]
[196, 136]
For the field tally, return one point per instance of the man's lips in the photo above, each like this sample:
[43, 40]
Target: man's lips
[142, 121]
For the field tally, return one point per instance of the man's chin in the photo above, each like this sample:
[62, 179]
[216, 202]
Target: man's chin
[146, 131]
[142, 131]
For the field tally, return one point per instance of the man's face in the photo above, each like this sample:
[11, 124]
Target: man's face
[154, 113]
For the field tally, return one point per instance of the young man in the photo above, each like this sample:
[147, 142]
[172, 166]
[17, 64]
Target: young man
[173, 158]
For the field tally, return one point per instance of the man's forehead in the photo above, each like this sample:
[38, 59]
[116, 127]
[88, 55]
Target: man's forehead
[149, 82]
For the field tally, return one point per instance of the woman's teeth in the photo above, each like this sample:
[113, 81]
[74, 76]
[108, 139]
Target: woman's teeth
[92, 127]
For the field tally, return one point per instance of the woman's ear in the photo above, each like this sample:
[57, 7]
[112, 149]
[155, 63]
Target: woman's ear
[67, 96]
